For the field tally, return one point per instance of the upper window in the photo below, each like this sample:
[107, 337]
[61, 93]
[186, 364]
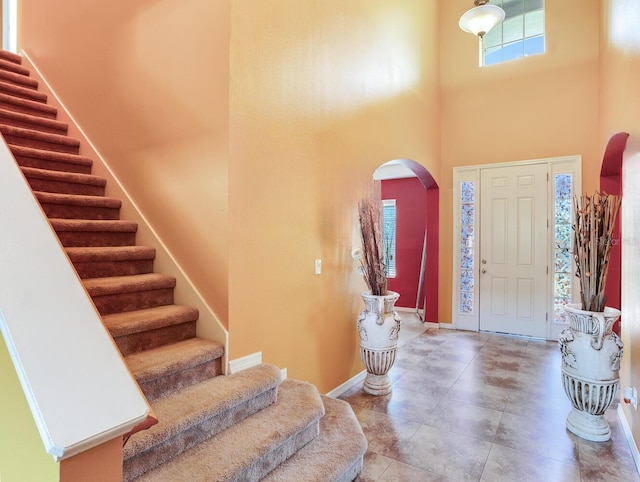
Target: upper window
[519, 35]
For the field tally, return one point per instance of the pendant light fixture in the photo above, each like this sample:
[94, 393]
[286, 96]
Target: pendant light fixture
[480, 19]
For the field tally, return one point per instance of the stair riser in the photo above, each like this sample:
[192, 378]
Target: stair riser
[22, 93]
[96, 239]
[104, 269]
[41, 144]
[26, 124]
[40, 110]
[172, 382]
[145, 461]
[80, 212]
[50, 165]
[136, 300]
[61, 187]
[148, 339]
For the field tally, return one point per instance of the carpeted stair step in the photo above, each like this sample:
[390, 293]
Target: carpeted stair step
[19, 79]
[337, 453]
[22, 92]
[253, 447]
[81, 232]
[116, 294]
[170, 368]
[136, 331]
[28, 121]
[26, 106]
[10, 57]
[74, 206]
[106, 261]
[53, 161]
[62, 182]
[198, 413]
[19, 136]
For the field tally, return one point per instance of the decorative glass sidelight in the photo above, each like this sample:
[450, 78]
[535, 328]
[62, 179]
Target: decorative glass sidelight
[467, 244]
[562, 208]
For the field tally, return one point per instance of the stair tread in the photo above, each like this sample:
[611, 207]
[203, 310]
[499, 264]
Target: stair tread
[250, 448]
[129, 322]
[126, 284]
[184, 409]
[10, 57]
[23, 92]
[62, 176]
[33, 119]
[150, 364]
[13, 63]
[336, 454]
[18, 78]
[60, 224]
[110, 253]
[46, 110]
[78, 199]
[39, 135]
[50, 155]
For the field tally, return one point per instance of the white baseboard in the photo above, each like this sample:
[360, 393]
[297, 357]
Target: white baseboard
[249, 361]
[348, 385]
[245, 362]
[632, 443]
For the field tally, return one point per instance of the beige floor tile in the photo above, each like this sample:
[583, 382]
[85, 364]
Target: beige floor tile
[478, 406]
[509, 465]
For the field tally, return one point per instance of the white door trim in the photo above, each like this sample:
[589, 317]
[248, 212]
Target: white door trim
[470, 321]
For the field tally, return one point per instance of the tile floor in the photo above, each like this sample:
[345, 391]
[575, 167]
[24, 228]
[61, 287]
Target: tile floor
[480, 407]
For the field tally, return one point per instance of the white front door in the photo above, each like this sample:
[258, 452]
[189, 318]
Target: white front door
[513, 250]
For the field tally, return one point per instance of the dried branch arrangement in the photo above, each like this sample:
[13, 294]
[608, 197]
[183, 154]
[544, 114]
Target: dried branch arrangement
[594, 218]
[372, 256]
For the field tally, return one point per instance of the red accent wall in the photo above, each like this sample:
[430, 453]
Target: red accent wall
[611, 183]
[411, 205]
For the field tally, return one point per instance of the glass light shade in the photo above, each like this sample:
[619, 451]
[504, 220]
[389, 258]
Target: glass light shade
[479, 20]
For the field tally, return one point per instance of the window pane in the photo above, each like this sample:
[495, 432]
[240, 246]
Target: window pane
[466, 302]
[563, 257]
[493, 55]
[467, 192]
[467, 241]
[494, 37]
[389, 234]
[512, 51]
[533, 23]
[534, 45]
[512, 29]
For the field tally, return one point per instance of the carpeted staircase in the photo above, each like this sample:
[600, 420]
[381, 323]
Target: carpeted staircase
[242, 427]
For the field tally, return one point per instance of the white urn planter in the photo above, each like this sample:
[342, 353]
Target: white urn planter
[378, 327]
[591, 355]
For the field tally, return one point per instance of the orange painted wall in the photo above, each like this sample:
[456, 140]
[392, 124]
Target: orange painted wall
[538, 107]
[148, 83]
[620, 110]
[322, 93]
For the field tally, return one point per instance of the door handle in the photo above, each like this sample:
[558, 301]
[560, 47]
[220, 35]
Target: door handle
[484, 261]
[483, 270]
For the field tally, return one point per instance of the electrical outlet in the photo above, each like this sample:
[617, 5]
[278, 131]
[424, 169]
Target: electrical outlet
[634, 398]
[318, 266]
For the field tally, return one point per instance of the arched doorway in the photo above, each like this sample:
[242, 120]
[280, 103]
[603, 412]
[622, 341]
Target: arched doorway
[416, 197]
[611, 183]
